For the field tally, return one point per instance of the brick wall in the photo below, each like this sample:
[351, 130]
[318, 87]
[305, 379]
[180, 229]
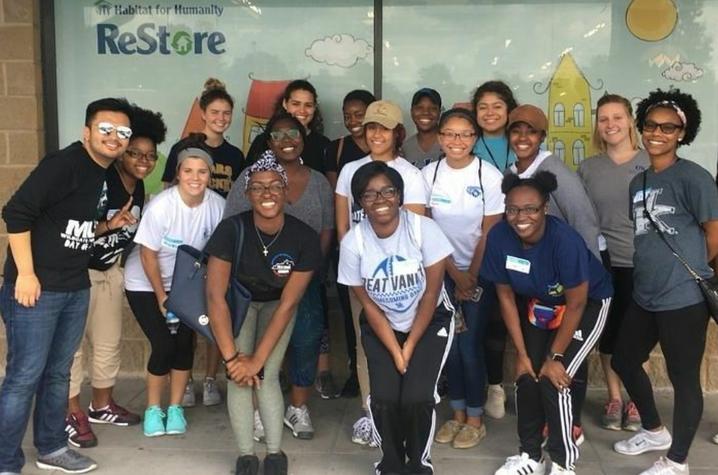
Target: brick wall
[21, 144]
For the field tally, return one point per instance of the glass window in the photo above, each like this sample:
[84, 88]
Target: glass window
[559, 115]
[579, 152]
[559, 149]
[578, 115]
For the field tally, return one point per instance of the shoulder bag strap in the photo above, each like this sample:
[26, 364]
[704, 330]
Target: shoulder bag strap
[340, 149]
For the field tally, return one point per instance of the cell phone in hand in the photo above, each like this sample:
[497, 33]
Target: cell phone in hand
[478, 292]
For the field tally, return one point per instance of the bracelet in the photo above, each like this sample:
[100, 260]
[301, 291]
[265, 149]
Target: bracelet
[231, 358]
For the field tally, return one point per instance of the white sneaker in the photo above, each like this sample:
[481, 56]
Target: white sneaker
[644, 441]
[363, 432]
[521, 465]
[495, 401]
[210, 392]
[298, 421]
[556, 469]
[715, 439]
[258, 427]
[188, 399]
[664, 466]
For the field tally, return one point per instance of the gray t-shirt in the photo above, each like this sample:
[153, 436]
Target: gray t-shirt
[607, 185]
[680, 199]
[315, 207]
[418, 157]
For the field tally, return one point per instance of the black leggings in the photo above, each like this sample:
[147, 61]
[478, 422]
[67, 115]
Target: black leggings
[682, 335]
[168, 351]
[494, 347]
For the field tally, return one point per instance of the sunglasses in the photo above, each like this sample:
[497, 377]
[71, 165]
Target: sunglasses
[106, 128]
[291, 134]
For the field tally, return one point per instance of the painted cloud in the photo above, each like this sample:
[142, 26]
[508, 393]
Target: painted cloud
[338, 50]
[683, 72]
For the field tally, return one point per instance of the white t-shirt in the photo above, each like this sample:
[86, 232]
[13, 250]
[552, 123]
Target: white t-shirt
[457, 204]
[166, 224]
[415, 191]
[391, 270]
[531, 170]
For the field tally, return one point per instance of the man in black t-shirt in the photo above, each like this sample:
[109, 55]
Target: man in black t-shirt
[44, 297]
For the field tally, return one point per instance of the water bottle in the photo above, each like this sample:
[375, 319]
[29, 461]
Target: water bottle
[173, 323]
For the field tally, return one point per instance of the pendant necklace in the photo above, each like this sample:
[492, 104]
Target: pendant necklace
[265, 248]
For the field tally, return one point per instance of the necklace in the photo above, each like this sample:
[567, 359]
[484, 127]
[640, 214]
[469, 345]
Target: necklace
[265, 247]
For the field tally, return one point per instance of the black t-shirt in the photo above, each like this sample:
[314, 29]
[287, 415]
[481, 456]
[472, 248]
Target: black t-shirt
[312, 155]
[110, 247]
[58, 203]
[350, 153]
[228, 163]
[296, 248]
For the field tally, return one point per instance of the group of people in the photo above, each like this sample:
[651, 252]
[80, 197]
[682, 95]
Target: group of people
[443, 244]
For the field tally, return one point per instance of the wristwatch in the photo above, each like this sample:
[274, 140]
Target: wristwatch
[554, 356]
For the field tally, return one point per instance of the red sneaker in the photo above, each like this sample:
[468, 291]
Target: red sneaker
[79, 432]
[113, 414]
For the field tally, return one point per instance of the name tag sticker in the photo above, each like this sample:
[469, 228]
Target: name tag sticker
[407, 267]
[518, 264]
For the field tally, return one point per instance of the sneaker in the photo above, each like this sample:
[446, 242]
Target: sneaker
[326, 387]
[210, 393]
[258, 427]
[298, 421]
[644, 441]
[715, 439]
[612, 416]
[577, 432]
[67, 461]
[556, 469]
[176, 423]
[275, 464]
[495, 401]
[631, 417]
[113, 414]
[154, 423]
[664, 466]
[469, 436]
[521, 465]
[247, 465]
[188, 398]
[363, 432]
[79, 432]
[448, 432]
[351, 386]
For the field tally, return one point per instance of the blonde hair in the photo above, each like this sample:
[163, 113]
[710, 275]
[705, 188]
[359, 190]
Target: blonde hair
[596, 139]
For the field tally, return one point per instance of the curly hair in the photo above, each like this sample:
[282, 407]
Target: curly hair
[672, 99]
[543, 182]
[148, 124]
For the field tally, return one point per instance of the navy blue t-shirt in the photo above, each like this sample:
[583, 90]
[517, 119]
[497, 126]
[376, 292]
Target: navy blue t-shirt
[559, 261]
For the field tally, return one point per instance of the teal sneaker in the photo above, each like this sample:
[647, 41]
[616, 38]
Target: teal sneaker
[176, 423]
[154, 424]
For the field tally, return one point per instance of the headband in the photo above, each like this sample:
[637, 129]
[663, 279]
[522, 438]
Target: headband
[267, 163]
[194, 152]
[672, 105]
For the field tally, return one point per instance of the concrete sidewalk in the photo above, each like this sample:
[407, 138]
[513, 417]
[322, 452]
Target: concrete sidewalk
[209, 446]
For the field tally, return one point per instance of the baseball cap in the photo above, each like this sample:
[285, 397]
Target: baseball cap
[385, 113]
[432, 94]
[529, 114]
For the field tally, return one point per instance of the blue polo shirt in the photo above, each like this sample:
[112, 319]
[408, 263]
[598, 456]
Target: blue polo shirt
[559, 261]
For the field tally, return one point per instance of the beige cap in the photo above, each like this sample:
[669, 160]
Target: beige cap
[385, 113]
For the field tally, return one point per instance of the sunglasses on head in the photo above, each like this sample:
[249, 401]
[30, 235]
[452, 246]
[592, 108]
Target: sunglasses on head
[107, 128]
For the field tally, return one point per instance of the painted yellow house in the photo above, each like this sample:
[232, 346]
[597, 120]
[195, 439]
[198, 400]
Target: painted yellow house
[570, 122]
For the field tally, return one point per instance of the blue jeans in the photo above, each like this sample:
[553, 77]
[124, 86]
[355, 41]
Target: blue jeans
[306, 338]
[466, 363]
[41, 343]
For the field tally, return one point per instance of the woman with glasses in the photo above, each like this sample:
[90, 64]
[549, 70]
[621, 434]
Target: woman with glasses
[309, 199]
[384, 134]
[554, 296]
[279, 256]
[676, 200]
[217, 107]
[185, 213]
[394, 261]
[606, 177]
[465, 201]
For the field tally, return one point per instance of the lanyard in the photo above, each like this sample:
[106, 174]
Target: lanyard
[491, 155]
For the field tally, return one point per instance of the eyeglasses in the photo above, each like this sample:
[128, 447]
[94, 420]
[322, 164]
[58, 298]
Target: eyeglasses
[666, 127]
[464, 135]
[370, 196]
[258, 189]
[527, 210]
[136, 154]
[106, 128]
[291, 134]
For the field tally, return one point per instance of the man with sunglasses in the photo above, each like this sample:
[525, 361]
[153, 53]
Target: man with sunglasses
[51, 222]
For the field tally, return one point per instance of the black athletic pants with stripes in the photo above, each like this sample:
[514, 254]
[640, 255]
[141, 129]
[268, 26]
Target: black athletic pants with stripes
[402, 406]
[539, 402]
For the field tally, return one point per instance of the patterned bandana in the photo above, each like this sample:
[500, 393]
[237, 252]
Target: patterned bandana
[266, 163]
